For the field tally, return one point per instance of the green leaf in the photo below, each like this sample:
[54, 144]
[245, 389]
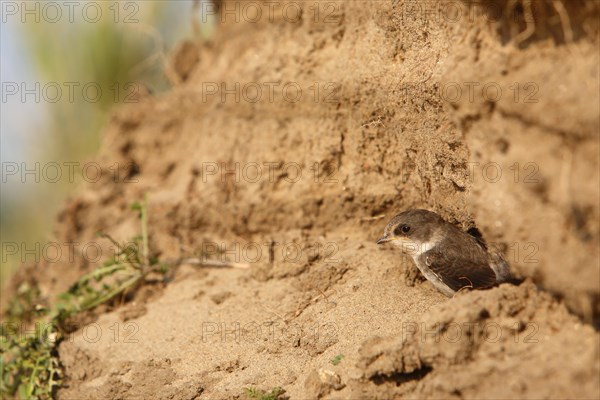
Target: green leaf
[337, 359]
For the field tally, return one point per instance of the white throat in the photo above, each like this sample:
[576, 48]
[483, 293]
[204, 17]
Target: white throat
[416, 249]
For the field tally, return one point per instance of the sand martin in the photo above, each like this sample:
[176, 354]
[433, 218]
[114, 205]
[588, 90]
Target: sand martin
[448, 257]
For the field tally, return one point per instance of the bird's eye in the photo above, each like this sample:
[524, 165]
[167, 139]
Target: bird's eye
[402, 229]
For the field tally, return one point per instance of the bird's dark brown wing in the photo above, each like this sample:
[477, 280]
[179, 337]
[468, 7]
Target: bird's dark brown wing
[458, 272]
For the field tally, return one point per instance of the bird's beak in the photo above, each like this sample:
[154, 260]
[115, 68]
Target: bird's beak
[383, 239]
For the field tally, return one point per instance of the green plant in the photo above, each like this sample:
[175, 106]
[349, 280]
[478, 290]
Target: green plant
[337, 359]
[30, 364]
[26, 304]
[257, 394]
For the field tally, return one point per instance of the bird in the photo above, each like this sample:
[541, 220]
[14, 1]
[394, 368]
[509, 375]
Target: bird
[448, 257]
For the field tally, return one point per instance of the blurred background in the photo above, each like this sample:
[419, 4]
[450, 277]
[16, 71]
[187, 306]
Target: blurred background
[63, 68]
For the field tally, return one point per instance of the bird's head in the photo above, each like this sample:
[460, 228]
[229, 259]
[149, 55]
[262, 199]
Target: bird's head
[412, 229]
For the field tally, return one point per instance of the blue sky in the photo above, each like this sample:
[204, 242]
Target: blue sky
[19, 121]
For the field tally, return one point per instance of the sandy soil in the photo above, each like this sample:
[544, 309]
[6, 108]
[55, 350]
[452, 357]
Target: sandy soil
[394, 134]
